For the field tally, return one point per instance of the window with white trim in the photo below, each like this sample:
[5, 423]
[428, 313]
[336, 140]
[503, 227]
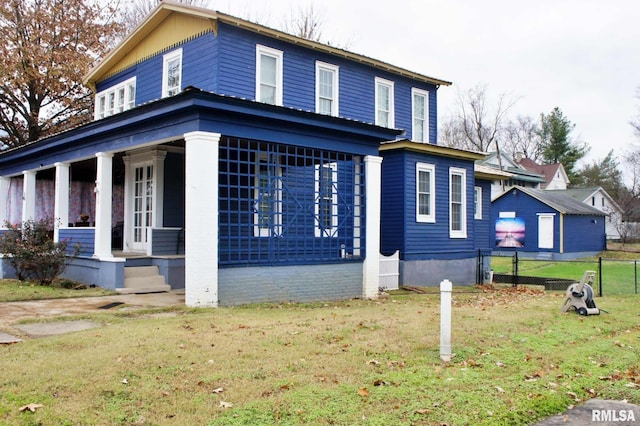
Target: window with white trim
[384, 103]
[326, 205]
[477, 202]
[420, 114]
[457, 203]
[425, 192]
[267, 217]
[268, 75]
[115, 99]
[172, 73]
[327, 88]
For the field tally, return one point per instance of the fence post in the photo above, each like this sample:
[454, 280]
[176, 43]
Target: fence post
[514, 277]
[635, 274]
[600, 276]
[445, 320]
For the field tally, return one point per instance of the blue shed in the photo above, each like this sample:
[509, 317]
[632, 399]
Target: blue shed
[535, 223]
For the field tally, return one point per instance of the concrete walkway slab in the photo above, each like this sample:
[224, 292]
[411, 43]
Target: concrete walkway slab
[7, 339]
[45, 329]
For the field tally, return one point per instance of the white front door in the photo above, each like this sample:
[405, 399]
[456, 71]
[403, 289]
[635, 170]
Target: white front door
[142, 206]
[143, 197]
[545, 231]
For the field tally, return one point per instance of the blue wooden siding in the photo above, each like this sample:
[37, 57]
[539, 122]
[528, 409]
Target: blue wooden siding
[584, 233]
[82, 236]
[527, 208]
[199, 66]
[420, 240]
[394, 194]
[226, 64]
[482, 227]
[167, 241]
[580, 233]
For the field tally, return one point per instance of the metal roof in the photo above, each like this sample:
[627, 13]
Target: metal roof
[558, 201]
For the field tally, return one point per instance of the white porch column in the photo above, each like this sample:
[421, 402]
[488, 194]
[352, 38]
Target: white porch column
[29, 195]
[61, 202]
[373, 182]
[4, 200]
[104, 192]
[201, 219]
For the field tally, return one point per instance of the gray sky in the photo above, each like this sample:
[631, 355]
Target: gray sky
[582, 56]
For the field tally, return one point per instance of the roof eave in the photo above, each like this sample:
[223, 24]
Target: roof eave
[428, 148]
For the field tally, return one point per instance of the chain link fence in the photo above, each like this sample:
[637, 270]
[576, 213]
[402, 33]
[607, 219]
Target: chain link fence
[613, 277]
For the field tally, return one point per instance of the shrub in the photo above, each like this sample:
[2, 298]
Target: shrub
[32, 253]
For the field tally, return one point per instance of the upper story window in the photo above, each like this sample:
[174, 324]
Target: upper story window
[384, 103]
[477, 202]
[268, 75]
[326, 205]
[172, 73]
[425, 192]
[420, 114]
[326, 89]
[115, 99]
[457, 203]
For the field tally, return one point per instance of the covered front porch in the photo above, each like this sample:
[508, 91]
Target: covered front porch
[234, 213]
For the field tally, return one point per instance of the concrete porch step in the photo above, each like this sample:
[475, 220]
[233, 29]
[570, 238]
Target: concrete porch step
[143, 279]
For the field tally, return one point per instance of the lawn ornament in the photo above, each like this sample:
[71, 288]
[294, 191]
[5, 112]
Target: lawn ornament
[579, 296]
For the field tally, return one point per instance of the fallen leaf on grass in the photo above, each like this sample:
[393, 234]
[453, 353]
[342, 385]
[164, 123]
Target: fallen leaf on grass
[363, 392]
[31, 407]
[224, 404]
[373, 361]
[499, 389]
[574, 396]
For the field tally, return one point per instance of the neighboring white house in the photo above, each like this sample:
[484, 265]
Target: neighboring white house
[555, 177]
[517, 175]
[600, 199]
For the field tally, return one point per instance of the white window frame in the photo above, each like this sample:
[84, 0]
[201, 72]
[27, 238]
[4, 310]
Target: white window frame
[278, 55]
[166, 60]
[477, 202]
[389, 109]
[335, 82]
[275, 227]
[431, 169]
[462, 232]
[115, 99]
[425, 118]
[323, 231]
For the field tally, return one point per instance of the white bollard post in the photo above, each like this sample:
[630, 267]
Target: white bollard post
[445, 320]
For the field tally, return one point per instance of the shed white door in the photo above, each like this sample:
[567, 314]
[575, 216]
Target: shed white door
[545, 231]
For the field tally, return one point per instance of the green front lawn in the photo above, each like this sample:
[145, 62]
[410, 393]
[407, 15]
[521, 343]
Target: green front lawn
[14, 290]
[517, 359]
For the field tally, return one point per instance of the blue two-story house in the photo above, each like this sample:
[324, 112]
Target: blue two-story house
[238, 162]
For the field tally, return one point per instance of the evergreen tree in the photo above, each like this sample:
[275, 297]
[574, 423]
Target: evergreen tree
[556, 143]
[604, 173]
